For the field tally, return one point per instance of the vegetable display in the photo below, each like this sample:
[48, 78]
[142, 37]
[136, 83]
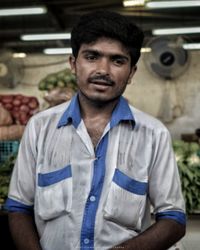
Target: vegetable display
[5, 174]
[20, 107]
[58, 87]
[61, 79]
[188, 160]
[11, 132]
[58, 95]
[5, 117]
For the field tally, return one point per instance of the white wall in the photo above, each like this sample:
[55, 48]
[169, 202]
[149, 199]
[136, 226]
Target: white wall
[176, 103]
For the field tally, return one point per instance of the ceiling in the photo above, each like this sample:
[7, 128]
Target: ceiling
[62, 14]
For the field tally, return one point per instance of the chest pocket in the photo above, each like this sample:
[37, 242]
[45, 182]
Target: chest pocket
[54, 193]
[126, 200]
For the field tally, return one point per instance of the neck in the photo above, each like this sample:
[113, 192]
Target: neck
[92, 109]
[96, 116]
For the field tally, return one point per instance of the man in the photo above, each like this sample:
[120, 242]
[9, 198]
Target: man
[89, 169]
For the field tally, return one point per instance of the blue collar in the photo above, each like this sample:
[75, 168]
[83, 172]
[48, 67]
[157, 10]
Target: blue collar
[72, 114]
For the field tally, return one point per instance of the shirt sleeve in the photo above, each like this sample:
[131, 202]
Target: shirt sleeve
[164, 184]
[22, 184]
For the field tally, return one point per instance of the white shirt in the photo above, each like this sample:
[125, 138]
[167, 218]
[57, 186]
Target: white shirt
[94, 199]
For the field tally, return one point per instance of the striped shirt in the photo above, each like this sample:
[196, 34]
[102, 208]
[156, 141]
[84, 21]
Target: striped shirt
[86, 198]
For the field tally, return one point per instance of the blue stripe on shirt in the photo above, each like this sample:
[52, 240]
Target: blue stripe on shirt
[16, 206]
[174, 215]
[129, 184]
[88, 224]
[121, 112]
[54, 177]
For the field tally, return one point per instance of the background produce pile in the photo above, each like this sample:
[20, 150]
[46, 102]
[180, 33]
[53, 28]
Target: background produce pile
[61, 79]
[15, 111]
[58, 87]
[5, 174]
[20, 107]
[188, 160]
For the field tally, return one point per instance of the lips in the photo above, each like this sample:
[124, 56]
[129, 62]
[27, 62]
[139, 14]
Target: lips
[101, 82]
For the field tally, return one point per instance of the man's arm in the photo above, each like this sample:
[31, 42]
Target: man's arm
[160, 236]
[23, 231]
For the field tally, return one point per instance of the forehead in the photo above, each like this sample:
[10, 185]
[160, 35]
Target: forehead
[105, 46]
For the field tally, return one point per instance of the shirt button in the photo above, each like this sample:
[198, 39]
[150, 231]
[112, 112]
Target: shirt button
[86, 241]
[92, 198]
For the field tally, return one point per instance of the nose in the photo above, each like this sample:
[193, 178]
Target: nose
[103, 67]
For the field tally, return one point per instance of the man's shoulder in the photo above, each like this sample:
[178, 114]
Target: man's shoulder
[143, 119]
[58, 109]
[49, 115]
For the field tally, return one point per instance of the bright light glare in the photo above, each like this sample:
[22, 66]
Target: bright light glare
[145, 50]
[191, 46]
[23, 11]
[19, 55]
[41, 37]
[131, 3]
[175, 31]
[57, 51]
[172, 4]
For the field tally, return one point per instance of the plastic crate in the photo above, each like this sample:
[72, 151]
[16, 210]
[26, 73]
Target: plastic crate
[8, 148]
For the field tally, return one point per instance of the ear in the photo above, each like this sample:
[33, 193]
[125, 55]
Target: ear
[133, 70]
[72, 62]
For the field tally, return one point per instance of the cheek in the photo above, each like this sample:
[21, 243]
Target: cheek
[82, 77]
[123, 78]
[82, 71]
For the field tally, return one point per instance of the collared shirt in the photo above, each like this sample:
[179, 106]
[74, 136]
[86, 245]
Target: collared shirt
[86, 198]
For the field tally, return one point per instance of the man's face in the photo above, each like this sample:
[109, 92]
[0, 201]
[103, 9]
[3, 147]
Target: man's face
[103, 69]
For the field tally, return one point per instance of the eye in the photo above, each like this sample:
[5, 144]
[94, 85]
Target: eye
[91, 57]
[118, 61]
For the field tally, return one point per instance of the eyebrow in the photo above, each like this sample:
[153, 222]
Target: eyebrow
[97, 52]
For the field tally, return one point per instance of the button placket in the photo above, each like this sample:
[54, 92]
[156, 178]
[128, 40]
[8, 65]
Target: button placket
[92, 198]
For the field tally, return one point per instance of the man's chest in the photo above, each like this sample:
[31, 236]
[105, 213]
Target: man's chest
[95, 129]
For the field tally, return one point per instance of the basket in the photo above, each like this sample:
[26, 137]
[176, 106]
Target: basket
[8, 148]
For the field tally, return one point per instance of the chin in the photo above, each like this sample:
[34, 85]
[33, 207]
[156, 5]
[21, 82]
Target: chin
[102, 99]
[99, 98]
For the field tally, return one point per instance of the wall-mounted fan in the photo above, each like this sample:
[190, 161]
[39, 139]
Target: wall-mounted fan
[11, 69]
[168, 60]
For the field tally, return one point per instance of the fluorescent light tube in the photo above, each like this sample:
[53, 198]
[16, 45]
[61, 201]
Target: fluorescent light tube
[57, 51]
[145, 50]
[41, 37]
[172, 4]
[191, 46]
[131, 3]
[23, 11]
[19, 55]
[176, 31]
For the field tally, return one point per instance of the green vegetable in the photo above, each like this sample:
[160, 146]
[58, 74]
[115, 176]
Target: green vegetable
[5, 175]
[62, 79]
[61, 84]
[188, 161]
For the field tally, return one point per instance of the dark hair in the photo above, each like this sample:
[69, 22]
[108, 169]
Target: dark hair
[101, 23]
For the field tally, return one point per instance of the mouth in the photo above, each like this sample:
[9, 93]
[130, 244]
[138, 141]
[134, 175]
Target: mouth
[101, 82]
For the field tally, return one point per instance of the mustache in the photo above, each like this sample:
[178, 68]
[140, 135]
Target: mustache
[104, 78]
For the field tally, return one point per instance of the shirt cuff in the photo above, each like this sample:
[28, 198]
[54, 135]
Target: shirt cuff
[16, 206]
[178, 216]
